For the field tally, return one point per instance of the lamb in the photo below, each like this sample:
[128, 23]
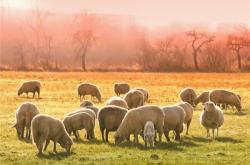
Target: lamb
[30, 86]
[145, 93]
[219, 96]
[188, 95]
[149, 133]
[89, 89]
[189, 113]
[203, 97]
[110, 118]
[118, 102]
[121, 88]
[135, 120]
[174, 119]
[24, 114]
[134, 99]
[45, 128]
[79, 121]
[211, 118]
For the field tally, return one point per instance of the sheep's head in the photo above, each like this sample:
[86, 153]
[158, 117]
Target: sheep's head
[86, 103]
[119, 139]
[19, 91]
[18, 130]
[66, 142]
[98, 96]
[209, 106]
[238, 107]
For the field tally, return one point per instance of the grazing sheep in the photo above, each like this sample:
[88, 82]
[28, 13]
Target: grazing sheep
[211, 117]
[134, 99]
[188, 95]
[203, 97]
[226, 106]
[120, 102]
[188, 108]
[30, 86]
[45, 128]
[220, 96]
[174, 119]
[24, 114]
[121, 88]
[79, 121]
[89, 89]
[110, 118]
[86, 103]
[145, 93]
[135, 120]
[149, 134]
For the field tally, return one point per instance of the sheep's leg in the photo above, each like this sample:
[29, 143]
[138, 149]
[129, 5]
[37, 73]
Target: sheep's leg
[22, 133]
[46, 144]
[75, 134]
[177, 135]
[102, 132]
[160, 136]
[213, 133]
[145, 139]
[208, 134]
[166, 133]
[136, 138]
[41, 143]
[34, 94]
[55, 147]
[217, 131]
[107, 135]
[188, 124]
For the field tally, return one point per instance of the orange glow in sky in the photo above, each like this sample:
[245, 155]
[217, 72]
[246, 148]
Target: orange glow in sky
[152, 12]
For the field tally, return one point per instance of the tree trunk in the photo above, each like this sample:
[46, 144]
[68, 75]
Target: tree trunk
[239, 59]
[83, 62]
[195, 61]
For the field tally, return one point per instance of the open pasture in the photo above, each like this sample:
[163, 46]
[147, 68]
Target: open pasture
[59, 96]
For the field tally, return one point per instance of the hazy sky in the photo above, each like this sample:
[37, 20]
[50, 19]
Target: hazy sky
[153, 12]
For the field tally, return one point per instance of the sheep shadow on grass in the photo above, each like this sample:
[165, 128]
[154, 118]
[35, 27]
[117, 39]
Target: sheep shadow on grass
[85, 141]
[219, 139]
[55, 156]
[235, 113]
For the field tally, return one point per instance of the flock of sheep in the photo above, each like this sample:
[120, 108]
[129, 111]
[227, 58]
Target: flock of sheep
[125, 115]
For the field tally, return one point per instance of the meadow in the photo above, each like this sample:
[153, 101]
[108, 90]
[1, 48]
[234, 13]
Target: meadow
[59, 96]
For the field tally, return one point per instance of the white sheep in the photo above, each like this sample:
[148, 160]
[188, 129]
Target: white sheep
[118, 101]
[30, 86]
[149, 133]
[134, 98]
[24, 114]
[211, 117]
[89, 89]
[145, 93]
[45, 128]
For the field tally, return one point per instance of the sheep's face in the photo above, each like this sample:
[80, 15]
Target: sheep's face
[19, 92]
[209, 106]
[66, 143]
[18, 130]
[150, 137]
[118, 139]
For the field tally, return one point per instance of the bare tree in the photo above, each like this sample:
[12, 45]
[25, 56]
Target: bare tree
[198, 41]
[84, 36]
[236, 43]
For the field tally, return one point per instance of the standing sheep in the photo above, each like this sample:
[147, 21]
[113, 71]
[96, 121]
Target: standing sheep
[89, 89]
[149, 134]
[203, 97]
[211, 117]
[24, 114]
[30, 86]
[174, 119]
[188, 95]
[219, 96]
[45, 128]
[120, 102]
[145, 93]
[189, 113]
[79, 121]
[135, 120]
[110, 118]
[121, 88]
[134, 99]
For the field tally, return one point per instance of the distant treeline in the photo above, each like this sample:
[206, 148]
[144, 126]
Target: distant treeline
[45, 41]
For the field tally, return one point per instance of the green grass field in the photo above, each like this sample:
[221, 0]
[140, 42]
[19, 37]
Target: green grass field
[59, 96]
